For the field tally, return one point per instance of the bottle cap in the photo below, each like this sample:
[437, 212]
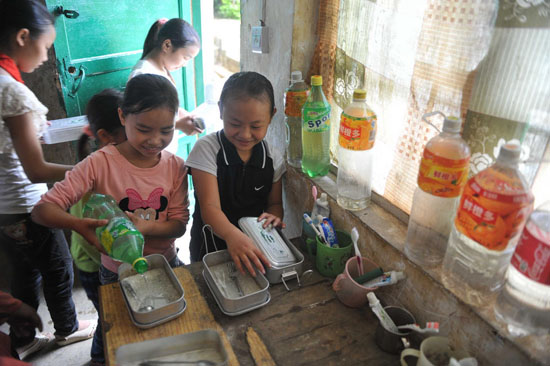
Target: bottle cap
[323, 199]
[360, 94]
[316, 80]
[452, 124]
[140, 265]
[296, 76]
[509, 153]
[399, 276]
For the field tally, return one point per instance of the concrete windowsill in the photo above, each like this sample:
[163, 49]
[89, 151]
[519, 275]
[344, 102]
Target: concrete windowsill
[382, 238]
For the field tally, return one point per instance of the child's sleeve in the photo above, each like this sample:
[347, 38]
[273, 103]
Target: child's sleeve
[76, 184]
[178, 203]
[203, 155]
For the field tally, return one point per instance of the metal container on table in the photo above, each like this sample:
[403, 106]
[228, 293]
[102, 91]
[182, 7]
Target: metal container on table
[286, 261]
[145, 318]
[202, 345]
[233, 305]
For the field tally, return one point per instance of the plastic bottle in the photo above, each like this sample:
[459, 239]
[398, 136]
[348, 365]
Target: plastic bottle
[316, 131]
[442, 175]
[524, 302]
[320, 207]
[355, 140]
[295, 97]
[120, 238]
[493, 209]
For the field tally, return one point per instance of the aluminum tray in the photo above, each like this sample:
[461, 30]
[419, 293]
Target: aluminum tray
[201, 345]
[229, 313]
[237, 305]
[279, 271]
[148, 319]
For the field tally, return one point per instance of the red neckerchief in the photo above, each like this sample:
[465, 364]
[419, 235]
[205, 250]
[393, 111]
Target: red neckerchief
[7, 63]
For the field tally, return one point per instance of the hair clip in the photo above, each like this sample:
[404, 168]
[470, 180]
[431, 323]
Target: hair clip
[161, 21]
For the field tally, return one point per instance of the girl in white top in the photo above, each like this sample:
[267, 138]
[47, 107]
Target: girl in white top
[169, 45]
[37, 254]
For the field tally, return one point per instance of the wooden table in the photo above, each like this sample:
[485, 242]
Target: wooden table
[306, 326]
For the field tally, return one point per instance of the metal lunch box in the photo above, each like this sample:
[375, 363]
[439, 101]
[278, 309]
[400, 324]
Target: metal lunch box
[286, 261]
[232, 305]
[202, 345]
[145, 318]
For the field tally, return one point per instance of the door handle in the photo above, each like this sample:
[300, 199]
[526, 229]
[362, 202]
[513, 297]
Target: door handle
[71, 14]
[78, 80]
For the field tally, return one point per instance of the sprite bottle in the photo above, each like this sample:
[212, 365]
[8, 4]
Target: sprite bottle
[120, 238]
[316, 131]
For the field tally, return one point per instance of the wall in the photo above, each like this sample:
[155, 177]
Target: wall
[382, 235]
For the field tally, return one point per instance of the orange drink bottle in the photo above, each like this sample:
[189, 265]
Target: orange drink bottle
[442, 175]
[490, 217]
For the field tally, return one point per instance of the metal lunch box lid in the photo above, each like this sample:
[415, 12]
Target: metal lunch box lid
[268, 241]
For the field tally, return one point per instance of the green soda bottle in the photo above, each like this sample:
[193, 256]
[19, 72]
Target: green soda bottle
[316, 131]
[120, 238]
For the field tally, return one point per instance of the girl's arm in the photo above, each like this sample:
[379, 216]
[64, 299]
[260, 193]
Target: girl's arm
[274, 213]
[51, 215]
[29, 151]
[241, 248]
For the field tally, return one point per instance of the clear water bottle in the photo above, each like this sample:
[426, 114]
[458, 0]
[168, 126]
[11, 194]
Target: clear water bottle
[491, 215]
[316, 131]
[524, 302]
[295, 97]
[120, 238]
[442, 175]
[355, 140]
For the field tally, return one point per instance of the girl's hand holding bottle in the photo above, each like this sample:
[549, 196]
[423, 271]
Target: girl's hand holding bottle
[185, 123]
[87, 228]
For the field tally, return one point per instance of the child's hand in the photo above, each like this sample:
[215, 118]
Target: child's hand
[142, 225]
[186, 125]
[25, 316]
[245, 254]
[270, 219]
[86, 228]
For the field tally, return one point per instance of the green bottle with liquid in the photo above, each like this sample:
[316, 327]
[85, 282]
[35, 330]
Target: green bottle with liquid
[316, 131]
[120, 238]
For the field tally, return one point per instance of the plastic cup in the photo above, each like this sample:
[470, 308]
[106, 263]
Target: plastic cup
[349, 292]
[330, 262]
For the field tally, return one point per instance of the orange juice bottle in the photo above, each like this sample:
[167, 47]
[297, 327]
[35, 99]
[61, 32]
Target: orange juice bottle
[490, 217]
[442, 175]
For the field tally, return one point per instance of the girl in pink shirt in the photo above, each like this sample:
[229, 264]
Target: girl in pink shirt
[149, 184]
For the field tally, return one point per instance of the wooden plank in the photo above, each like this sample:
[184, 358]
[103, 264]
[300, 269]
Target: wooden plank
[118, 328]
[259, 351]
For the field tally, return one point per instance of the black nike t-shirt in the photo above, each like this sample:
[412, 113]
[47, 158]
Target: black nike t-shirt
[243, 188]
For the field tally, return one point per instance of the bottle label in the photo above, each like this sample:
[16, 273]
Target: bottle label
[357, 133]
[532, 255]
[442, 177]
[117, 227]
[294, 101]
[492, 216]
[315, 121]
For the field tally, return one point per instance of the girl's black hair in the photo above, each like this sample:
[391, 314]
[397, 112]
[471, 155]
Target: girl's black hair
[149, 91]
[102, 113]
[247, 84]
[177, 30]
[19, 14]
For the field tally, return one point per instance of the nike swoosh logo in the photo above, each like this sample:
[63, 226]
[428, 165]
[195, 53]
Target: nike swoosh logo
[258, 188]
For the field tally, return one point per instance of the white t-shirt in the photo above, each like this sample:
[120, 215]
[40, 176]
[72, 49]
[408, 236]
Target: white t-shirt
[17, 193]
[146, 67]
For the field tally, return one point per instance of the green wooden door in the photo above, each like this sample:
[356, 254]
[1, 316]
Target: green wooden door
[98, 42]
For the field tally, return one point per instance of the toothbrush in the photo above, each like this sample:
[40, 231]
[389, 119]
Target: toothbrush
[314, 192]
[310, 223]
[431, 327]
[354, 238]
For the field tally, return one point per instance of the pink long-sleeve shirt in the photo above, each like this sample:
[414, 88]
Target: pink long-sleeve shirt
[158, 193]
